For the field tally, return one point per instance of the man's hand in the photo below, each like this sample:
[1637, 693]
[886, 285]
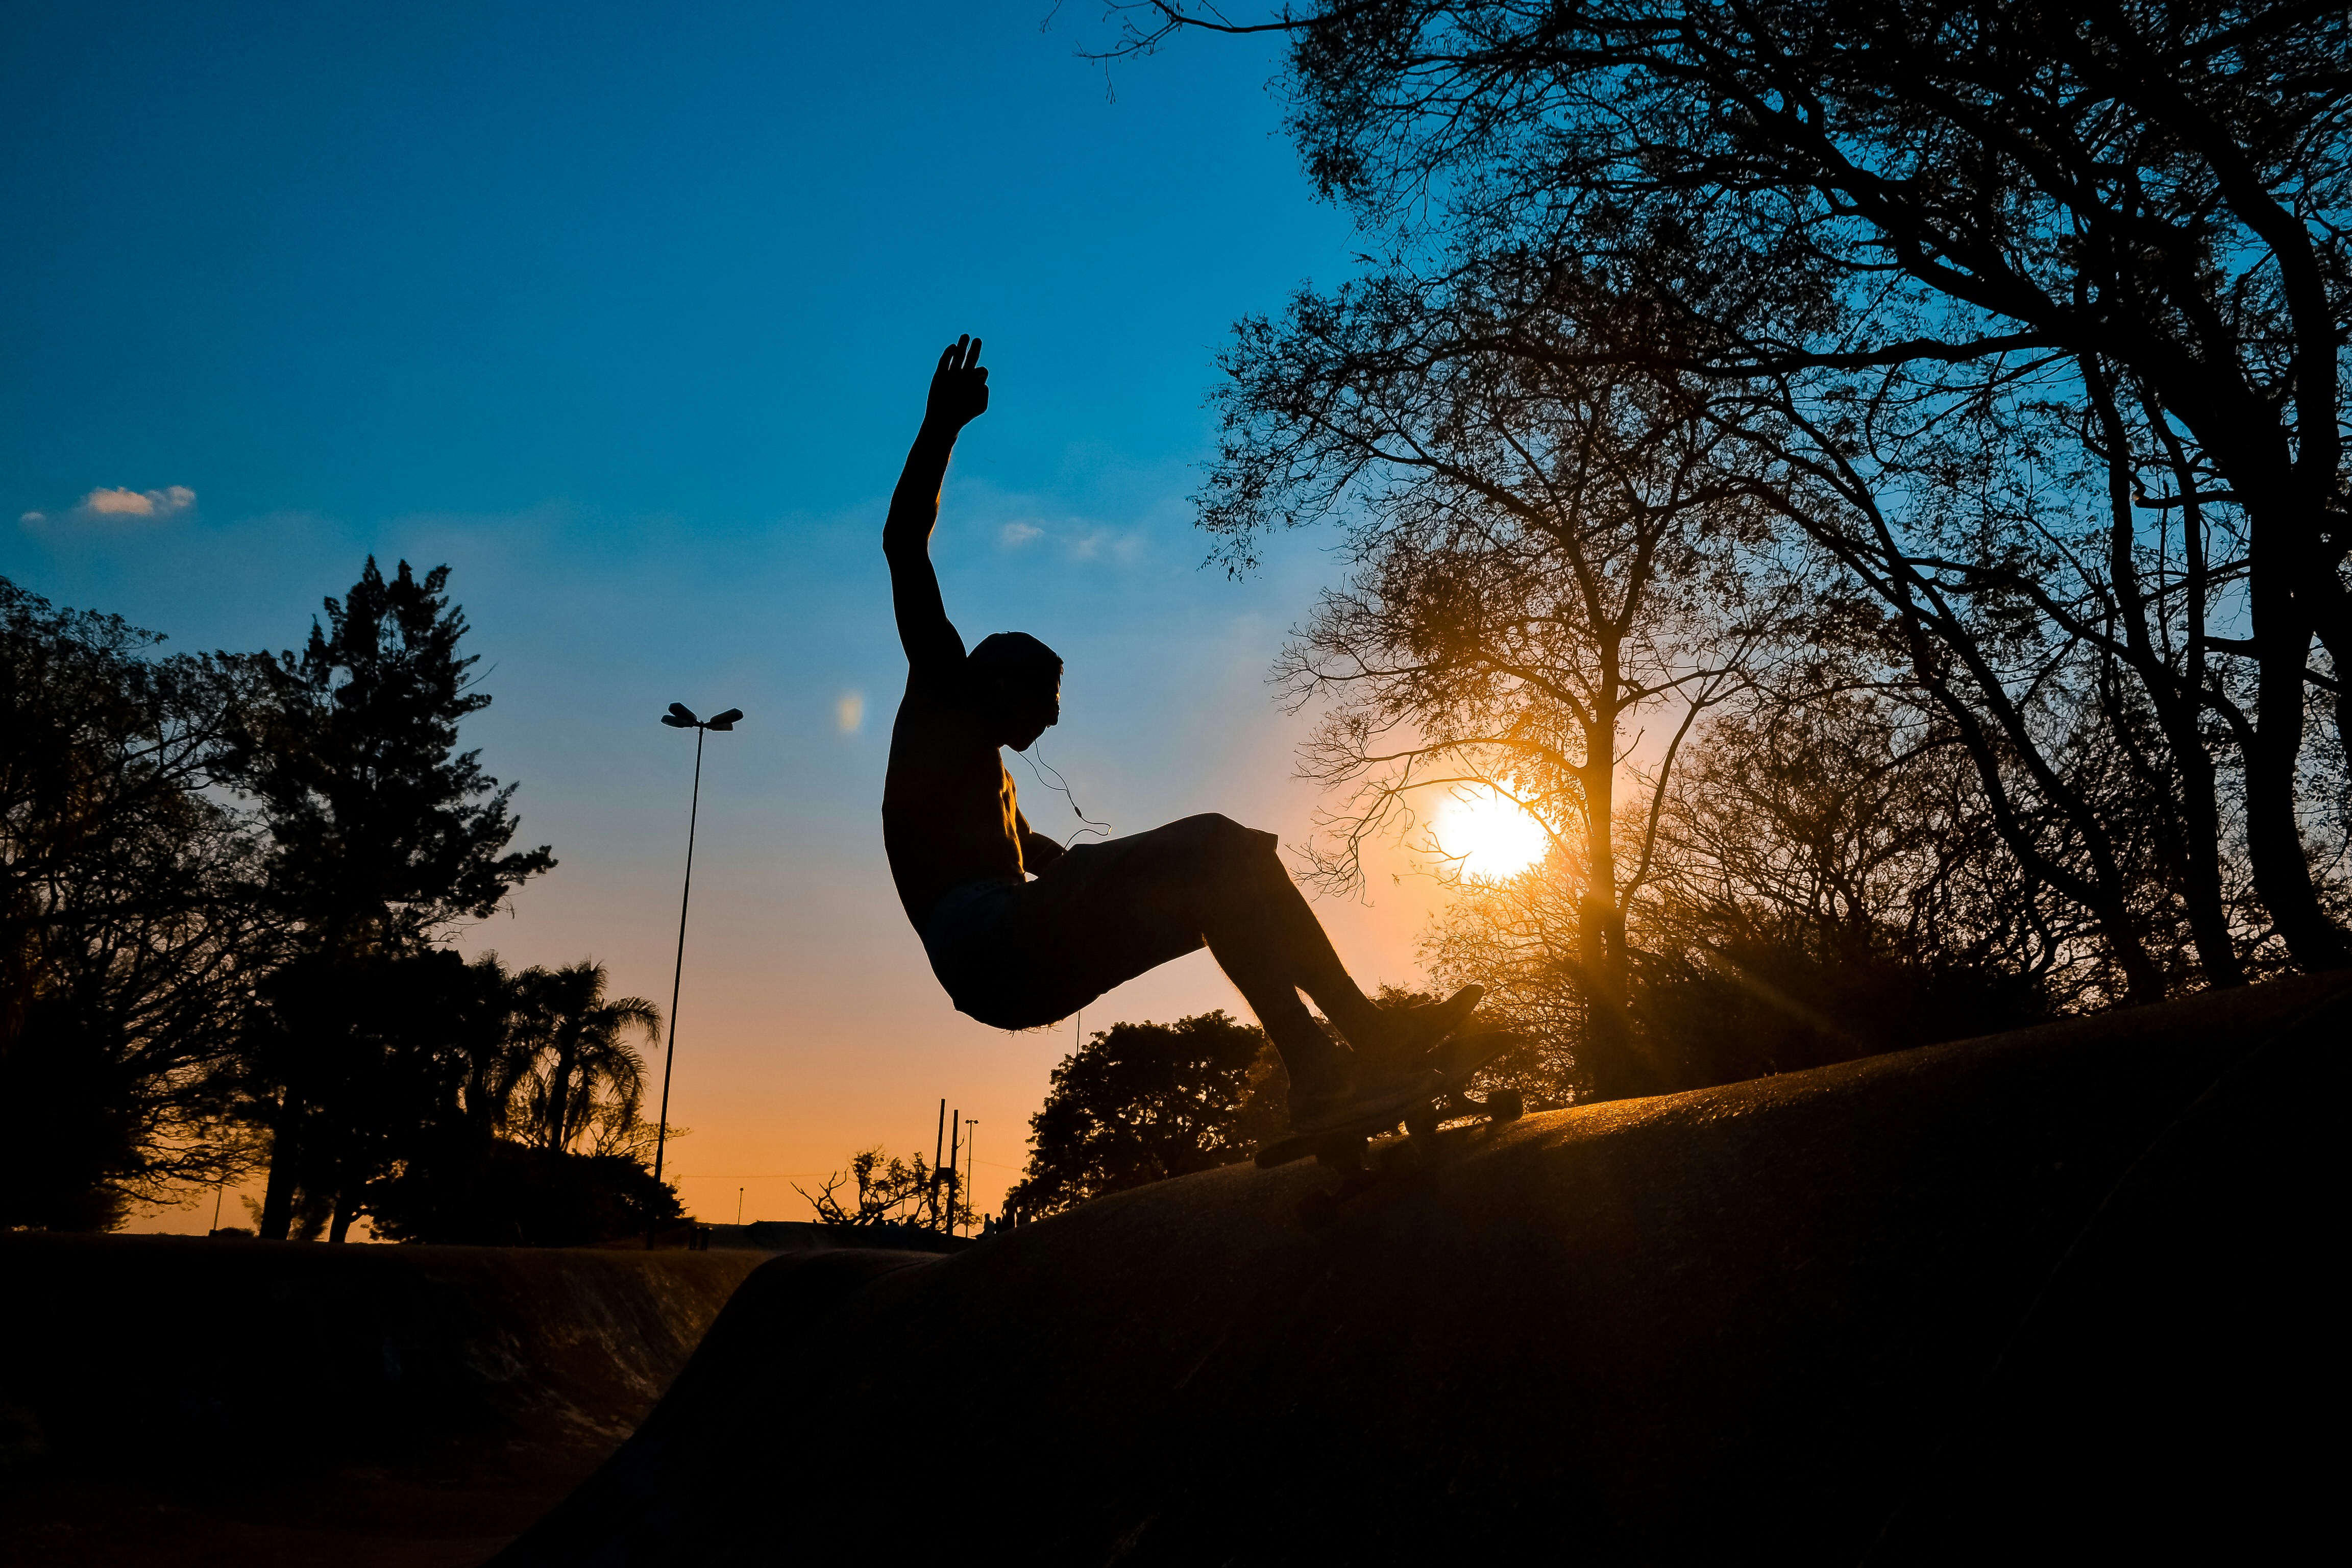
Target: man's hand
[1037, 851]
[958, 387]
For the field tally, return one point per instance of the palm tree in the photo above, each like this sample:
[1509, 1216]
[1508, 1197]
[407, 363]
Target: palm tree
[486, 1022]
[580, 1040]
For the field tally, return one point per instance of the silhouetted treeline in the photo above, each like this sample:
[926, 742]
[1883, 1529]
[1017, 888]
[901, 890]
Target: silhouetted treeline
[230, 882]
[1870, 478]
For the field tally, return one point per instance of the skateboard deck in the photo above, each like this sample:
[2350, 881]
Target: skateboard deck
[1456, 1060]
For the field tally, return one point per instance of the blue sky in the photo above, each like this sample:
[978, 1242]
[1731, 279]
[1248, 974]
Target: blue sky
[625, 312]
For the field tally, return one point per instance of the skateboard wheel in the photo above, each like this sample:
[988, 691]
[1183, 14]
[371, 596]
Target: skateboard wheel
[1317, 1210]
[1504, 1105]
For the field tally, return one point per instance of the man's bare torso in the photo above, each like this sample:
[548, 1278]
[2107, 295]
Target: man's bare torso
[948, 812]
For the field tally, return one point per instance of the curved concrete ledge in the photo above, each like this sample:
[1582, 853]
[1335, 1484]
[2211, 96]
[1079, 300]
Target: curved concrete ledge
[181, 1400]
[2052, 1288]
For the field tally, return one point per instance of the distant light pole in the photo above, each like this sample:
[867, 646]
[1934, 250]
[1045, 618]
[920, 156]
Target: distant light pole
[955, 1137]
[939, 1161]
[681, 717]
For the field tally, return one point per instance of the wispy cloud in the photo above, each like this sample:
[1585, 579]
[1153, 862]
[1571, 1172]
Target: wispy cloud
[123, 501]
[849, 712]
[1043, 528]
[1075, 539]
[1107, 543]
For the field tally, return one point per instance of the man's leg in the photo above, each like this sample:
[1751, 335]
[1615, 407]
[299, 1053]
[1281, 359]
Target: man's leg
[1119, 909]
[1267, 941]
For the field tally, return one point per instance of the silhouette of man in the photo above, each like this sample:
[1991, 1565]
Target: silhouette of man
[1016, 953]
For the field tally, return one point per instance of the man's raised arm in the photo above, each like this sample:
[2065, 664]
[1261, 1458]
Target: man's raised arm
[959, 396]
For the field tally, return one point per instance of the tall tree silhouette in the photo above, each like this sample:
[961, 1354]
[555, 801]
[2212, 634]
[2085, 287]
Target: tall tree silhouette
[383, 836]
[129, 919]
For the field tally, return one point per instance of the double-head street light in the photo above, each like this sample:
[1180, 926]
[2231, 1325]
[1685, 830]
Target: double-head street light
[681, 717]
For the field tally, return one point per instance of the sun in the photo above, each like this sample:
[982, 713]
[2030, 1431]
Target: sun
[1490, 834]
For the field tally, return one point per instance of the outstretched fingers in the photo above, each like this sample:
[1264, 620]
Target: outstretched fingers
[958, 386]
[961, 354]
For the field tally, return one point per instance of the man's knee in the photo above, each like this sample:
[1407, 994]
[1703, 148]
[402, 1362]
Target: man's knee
[1215, 837]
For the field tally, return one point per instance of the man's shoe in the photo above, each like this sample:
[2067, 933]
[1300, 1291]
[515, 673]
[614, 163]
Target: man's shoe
[1379, 1104]
[1419, 1030]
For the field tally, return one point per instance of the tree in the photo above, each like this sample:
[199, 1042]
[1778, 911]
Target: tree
[1827, 887]
[501, 1192]
[1141, 1102]
[586, 1073]
[129, 924]
[389, 1062]
[383, 836]
[891, 1192]
[1853, 208]
[1962, 522]
[484, 1057]
[462, 1145]
[1836, 864]
[1547, 561]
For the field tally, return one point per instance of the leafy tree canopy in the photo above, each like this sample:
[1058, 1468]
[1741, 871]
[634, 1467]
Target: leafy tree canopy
[129, 919]
[1141, 1102]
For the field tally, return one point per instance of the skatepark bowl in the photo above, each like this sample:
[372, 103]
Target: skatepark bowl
[2053, 1295]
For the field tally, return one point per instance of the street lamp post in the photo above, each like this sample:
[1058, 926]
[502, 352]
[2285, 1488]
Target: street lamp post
[681, 717]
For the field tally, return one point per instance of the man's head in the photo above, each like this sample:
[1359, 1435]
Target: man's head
[1016, 683]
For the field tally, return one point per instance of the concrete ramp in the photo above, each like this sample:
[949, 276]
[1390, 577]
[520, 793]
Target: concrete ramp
[174, 1400]
[2051, 1294]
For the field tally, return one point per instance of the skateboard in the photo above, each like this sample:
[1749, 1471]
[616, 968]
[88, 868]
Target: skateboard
[1345, 1149]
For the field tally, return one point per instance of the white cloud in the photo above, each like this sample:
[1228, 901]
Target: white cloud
[1014, 535]
[123, 501]
[849, 712]
[1106, 543]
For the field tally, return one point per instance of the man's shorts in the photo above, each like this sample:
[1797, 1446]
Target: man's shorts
[1020, 955]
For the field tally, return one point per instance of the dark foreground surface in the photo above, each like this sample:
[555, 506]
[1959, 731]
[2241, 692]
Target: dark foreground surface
[174, 1400]
[2053, 1295]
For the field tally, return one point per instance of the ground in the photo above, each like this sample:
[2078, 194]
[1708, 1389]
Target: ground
[2061, 1289]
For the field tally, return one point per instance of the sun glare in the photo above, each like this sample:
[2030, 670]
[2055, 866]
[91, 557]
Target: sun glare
[1492, 836]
